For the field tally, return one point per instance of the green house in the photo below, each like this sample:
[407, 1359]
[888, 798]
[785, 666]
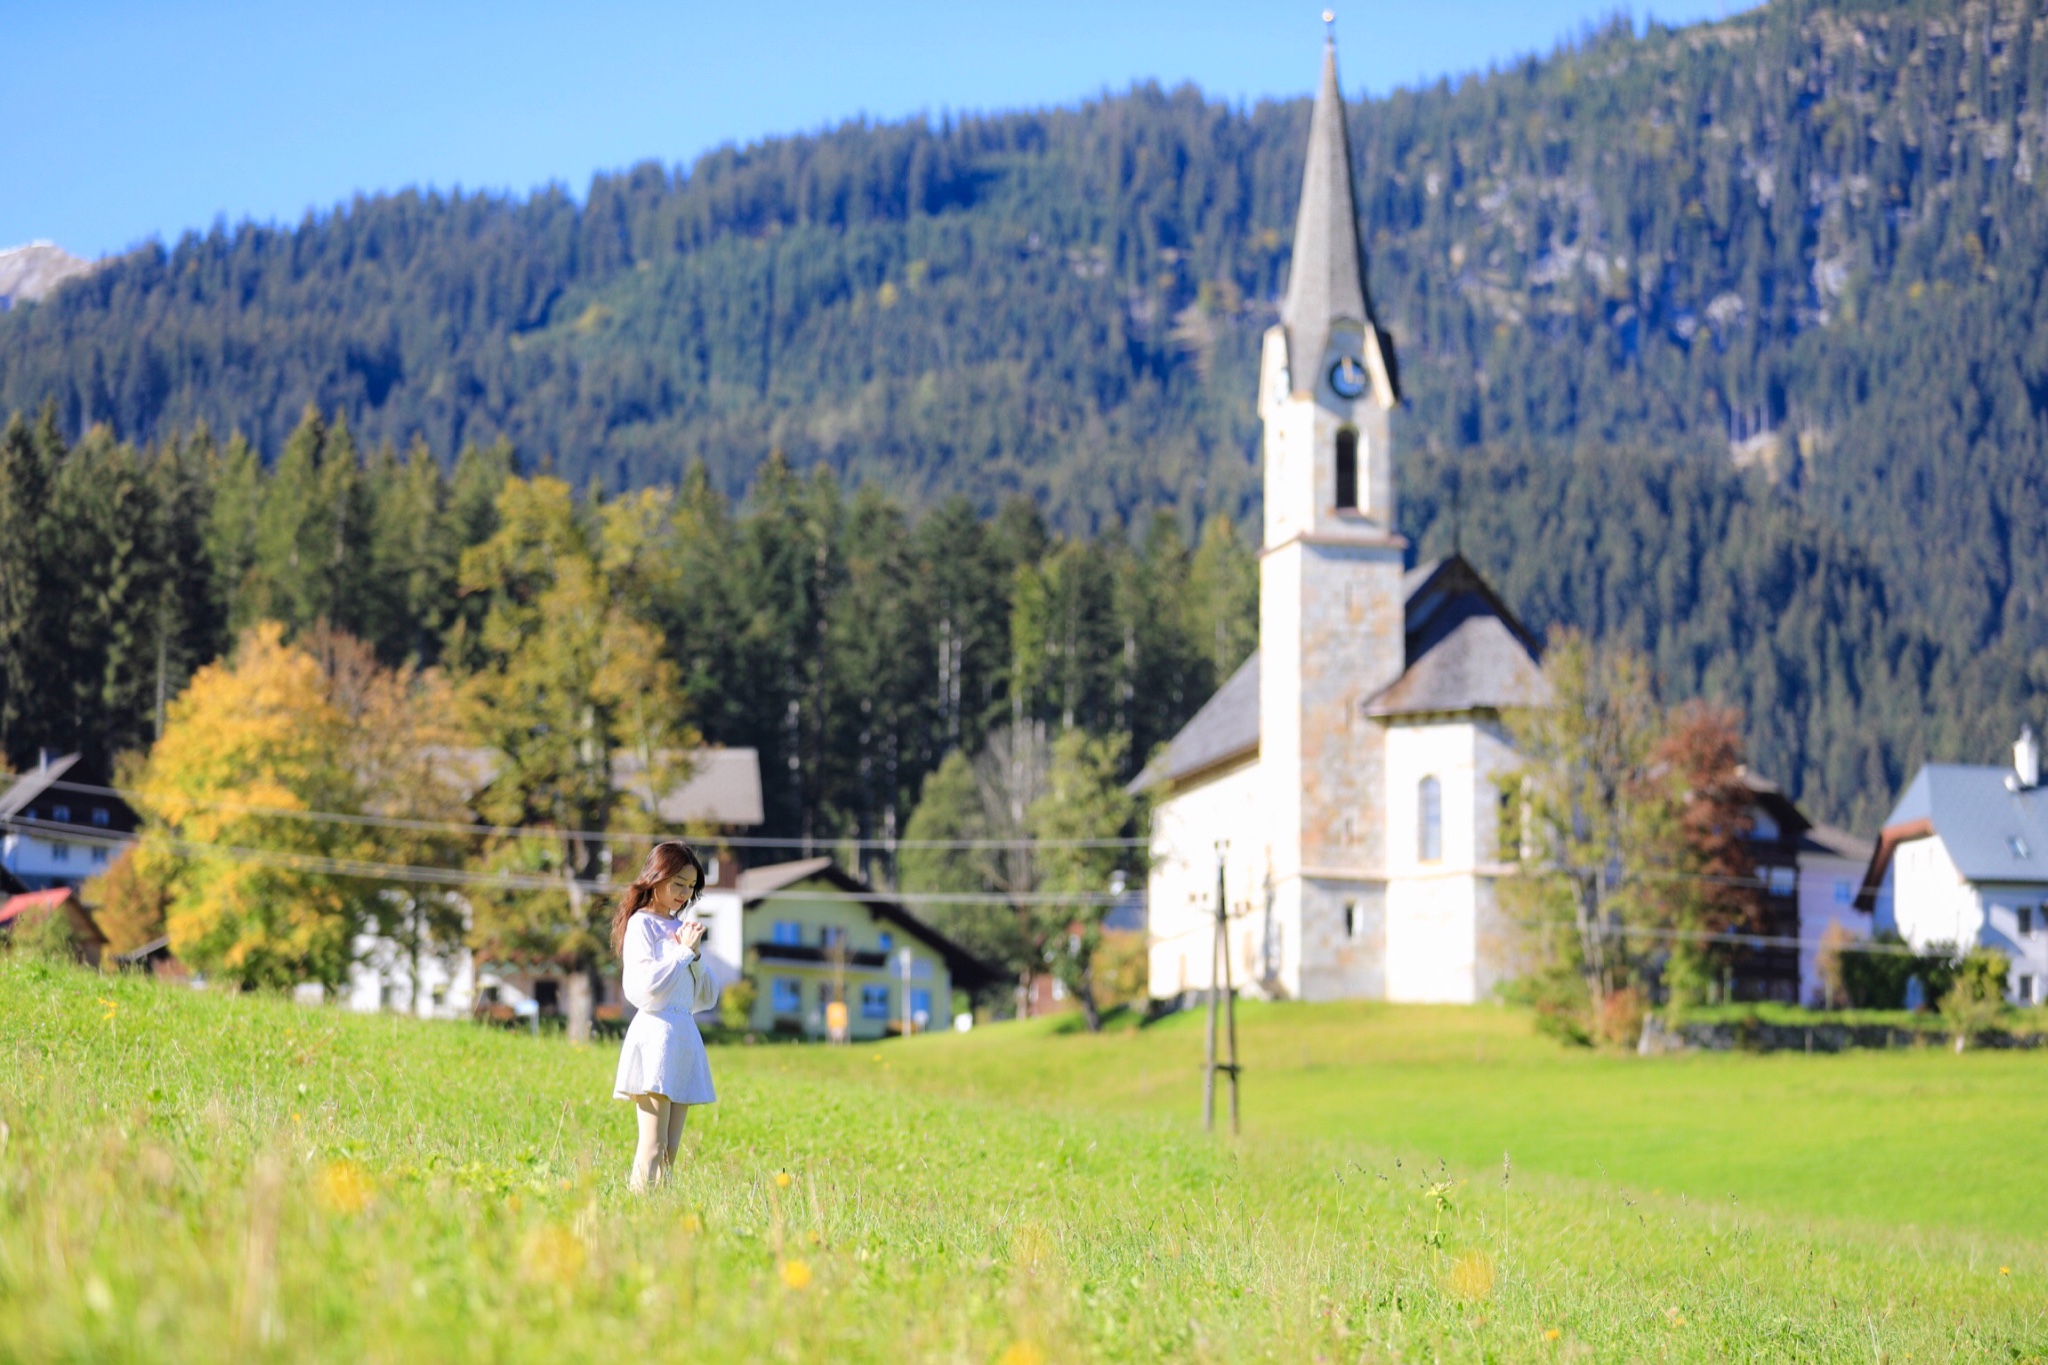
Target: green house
[810, 933]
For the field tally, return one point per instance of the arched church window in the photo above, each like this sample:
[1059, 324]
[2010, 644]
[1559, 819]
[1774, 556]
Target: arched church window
[1431, 806]
[1347, 470]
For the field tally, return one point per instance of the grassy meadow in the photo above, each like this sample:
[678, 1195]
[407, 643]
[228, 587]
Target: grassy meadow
[188, 1176]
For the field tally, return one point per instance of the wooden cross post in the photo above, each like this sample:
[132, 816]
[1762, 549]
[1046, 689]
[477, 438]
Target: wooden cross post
[1219, 958]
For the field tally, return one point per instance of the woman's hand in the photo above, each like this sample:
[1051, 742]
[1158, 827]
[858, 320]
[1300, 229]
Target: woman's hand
[688, 933]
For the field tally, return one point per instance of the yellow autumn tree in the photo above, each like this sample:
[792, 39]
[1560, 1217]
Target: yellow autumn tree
[254, 890]
[566, 685]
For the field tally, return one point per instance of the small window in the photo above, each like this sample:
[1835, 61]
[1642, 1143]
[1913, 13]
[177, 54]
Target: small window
[99, 816]
[99, 855]
[920, 1007]
[2023, 989]
[786, 933]
[886, 939]
[2025, 916]
[832, 936]
[786, 994]
[61, 814]
[1845, 891]
[1762, 826]
[2018, 845]
[60, 853]
[1783, 881]
[1354, 920]
[1347, 470]
[874, 1002]
[1431, 804]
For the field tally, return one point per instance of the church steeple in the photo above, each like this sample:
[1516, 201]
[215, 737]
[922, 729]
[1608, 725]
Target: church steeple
[1326, 282]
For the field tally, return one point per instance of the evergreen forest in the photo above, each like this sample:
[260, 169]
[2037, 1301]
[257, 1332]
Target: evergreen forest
[1720, 342]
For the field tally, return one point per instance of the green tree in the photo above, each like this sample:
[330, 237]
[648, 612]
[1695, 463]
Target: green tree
[1083, 807]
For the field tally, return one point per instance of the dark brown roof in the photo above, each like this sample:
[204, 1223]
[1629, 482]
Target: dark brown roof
[758, 884]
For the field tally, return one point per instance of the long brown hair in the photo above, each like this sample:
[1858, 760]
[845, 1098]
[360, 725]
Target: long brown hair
[664, 860]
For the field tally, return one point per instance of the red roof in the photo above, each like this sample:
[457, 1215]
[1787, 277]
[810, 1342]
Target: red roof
[14, 905]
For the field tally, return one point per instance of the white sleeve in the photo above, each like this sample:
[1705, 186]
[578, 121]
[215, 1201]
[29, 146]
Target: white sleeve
[653, 964]
[706, 993]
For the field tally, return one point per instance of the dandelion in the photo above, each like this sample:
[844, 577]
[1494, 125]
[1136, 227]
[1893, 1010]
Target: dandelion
[343, 1187]
[1022, 1353]
[1551, 1334]
[796, 1274]
[112, 1007]
[2005, 1270]
[782, 1180]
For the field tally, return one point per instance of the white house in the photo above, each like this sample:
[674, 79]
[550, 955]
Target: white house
[1963, 860]
[723, 789]
[57, 831]
[1831, 863]
[1343, 778]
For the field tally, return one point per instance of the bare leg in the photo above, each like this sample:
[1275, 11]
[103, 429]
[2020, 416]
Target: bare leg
[678, 1114]
[648, 1166]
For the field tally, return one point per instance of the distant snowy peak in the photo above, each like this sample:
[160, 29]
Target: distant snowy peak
[29, 272]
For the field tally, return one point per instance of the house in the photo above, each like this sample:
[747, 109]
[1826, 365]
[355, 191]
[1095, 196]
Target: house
[722, 790]
[22, 913]
[1831, 863]
[1963, 860]
[1342, 781]
[809, 933]
[57, 830]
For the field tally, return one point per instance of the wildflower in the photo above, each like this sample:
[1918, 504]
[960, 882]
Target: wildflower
[552, 1254]
[112, 1006]
[796, 1274]
[1472, 1276]
[1022, 1353]
[782, 1180]
[1551, 1334]
[343, 1187]
[692, 1223]
[2005, 1270]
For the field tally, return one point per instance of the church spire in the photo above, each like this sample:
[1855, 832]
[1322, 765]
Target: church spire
[1326, 282]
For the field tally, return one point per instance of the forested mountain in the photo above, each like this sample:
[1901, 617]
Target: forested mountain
[1722, 340]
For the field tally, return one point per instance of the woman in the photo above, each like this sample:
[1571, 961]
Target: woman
[663, 1069]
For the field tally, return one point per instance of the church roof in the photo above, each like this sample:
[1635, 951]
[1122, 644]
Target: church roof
[1326, 277]
[1465, 652]
[1226, 727]
[1478, 665]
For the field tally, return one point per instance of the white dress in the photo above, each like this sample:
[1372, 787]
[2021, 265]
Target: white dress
[664, 1053]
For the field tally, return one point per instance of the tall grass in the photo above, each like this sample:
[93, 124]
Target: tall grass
[203, 1177]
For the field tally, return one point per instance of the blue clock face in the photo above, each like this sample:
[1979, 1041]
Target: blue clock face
[1347, 377]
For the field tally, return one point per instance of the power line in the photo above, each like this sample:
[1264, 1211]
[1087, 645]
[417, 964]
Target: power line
[477, 830]
[369, 870]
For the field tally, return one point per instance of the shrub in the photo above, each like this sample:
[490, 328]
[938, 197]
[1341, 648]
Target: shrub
[736, 1004]
[1974, 1003]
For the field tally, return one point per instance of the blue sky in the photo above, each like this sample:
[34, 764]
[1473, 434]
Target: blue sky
[119, 122]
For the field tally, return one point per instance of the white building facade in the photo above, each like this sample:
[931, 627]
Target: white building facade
[1963, 861]
[1343, 781]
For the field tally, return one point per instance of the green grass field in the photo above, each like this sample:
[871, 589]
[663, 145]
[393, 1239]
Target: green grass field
[201, 1177]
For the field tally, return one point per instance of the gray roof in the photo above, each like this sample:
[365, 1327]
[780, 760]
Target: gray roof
[1993, 833]
[1326, 276]
[723, 788]
[1226, 727]
[1478, 666]
[33, 784]
[1466, 652]
[1838, 842]
[757, 882]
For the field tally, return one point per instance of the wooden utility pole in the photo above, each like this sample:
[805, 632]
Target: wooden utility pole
[1219, 970]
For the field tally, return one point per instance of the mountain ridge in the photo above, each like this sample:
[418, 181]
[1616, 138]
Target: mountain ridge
[1804, 240]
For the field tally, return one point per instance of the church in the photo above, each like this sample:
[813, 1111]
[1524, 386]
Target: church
[1343, 781]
